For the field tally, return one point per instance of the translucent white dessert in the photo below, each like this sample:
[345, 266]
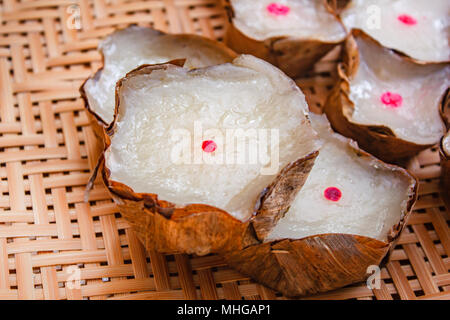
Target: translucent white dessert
[419, 28]
[215, 136]
[344, 193]
[131, 47]
[303, 19]
[391, 91]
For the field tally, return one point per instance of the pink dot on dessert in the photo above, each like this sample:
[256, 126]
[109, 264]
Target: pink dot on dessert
[209, 146]
[391, 99]
[278, 9]
[332, 194]
[407, 19]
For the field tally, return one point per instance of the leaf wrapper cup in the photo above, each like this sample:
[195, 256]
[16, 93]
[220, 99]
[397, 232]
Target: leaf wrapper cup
[313, 263]
[209, 208]
[293, 54]
[392, 130]
[125, 49]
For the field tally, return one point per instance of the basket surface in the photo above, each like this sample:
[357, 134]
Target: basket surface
[50, 238]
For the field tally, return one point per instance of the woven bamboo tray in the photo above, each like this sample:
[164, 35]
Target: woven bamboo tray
[50, 238]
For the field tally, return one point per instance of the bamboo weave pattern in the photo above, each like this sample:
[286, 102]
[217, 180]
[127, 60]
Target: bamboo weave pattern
[50, 238]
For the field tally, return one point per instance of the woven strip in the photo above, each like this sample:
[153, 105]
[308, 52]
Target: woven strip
[55, 246]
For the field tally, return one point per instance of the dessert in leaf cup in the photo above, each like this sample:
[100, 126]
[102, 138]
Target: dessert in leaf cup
[291, 34]
[192, 152]
[263, 221]
[345, 218]
[386, 102]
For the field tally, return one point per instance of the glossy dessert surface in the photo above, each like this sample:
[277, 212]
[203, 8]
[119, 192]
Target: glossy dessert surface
[344, 193]
[216, 136]
[391, 91]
